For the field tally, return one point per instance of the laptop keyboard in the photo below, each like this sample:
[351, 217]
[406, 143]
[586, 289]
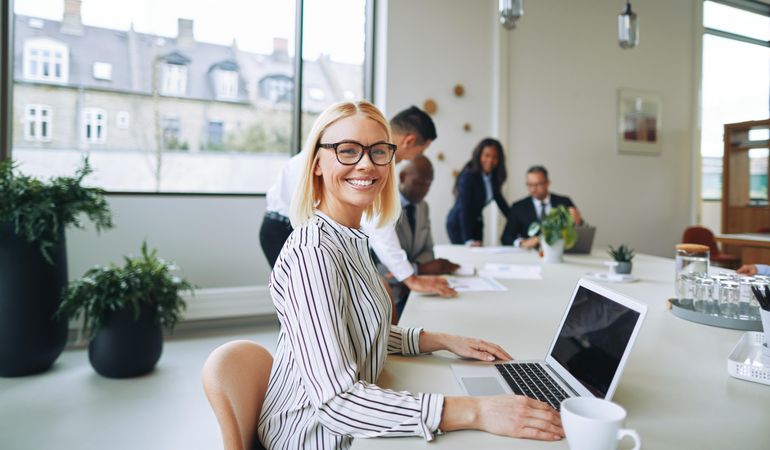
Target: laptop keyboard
[531, 380]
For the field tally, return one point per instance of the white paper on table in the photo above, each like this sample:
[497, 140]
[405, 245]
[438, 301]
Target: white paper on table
[512, 271]
[499, 249]
[465, 271]
[475, 284]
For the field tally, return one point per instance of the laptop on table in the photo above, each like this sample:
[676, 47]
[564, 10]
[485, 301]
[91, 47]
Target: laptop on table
[585, 240]
[586, 357]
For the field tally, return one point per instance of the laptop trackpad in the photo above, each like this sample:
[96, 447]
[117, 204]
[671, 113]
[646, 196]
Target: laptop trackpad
[482, 386]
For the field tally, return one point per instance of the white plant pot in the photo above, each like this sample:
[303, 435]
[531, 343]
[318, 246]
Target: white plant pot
[553, 253]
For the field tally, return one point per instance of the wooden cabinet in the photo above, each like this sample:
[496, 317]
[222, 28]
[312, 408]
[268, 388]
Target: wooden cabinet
[740, 212]
[743, 212]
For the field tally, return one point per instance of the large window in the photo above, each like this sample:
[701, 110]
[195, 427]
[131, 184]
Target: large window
[183, 96]
[736, 85]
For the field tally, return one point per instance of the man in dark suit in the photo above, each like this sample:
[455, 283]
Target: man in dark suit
[532, 208]
[413, 229]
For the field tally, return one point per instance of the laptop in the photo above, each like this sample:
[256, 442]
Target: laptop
[585, 240]
[585, 359]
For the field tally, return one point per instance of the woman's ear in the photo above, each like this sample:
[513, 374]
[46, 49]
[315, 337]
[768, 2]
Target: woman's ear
[317, 165]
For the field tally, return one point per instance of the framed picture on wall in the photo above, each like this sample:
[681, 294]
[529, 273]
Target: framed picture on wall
[639, 122]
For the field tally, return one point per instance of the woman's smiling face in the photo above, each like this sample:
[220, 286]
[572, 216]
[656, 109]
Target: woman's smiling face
[349, 190]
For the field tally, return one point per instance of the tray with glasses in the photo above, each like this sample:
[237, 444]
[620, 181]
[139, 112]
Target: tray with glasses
[725, 300]
[714, 318]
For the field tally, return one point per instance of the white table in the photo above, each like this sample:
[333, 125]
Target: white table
[675, 387]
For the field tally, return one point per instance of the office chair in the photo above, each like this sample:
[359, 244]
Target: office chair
[235, 378]
[702, 235]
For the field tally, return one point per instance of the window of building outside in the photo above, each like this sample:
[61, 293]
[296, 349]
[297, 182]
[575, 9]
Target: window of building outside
[174, 79]
[209, 86]
[216, 134]
[37, 126]
[172, 140]
[736, 70]
[95, 125]
[45, 60]
[227, 84]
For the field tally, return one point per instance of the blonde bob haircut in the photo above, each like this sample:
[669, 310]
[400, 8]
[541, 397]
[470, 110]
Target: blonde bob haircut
[386, 207]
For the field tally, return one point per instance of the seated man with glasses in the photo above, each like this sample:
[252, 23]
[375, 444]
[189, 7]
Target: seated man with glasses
[531, 209]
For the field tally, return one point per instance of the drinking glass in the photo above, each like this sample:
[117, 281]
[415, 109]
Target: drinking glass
[745, 296]
[728, 298]
[691, 260]
[704, 287]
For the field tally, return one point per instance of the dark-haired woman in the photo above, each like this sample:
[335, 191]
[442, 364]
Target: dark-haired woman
[479, 183]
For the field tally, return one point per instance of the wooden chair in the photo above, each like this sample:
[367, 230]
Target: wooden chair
[235, 378]
[702, 235]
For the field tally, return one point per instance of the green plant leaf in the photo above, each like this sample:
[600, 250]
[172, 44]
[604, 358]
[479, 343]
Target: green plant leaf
[141, 281]
[39, 211]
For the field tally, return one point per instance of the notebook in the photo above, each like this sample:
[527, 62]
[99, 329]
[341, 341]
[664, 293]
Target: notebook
[585, 240]
[586, 357]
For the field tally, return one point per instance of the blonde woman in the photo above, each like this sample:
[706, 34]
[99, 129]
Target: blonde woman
[335, 313]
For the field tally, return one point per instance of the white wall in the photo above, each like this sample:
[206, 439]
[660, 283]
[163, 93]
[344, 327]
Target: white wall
[565, 69]
[214, 240]
[432, 46]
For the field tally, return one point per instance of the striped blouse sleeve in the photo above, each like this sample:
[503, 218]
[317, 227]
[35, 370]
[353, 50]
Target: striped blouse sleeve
[404, 341]
[321, 346]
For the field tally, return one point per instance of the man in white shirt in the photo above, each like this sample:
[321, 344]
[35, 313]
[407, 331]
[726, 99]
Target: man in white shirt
[413, 131]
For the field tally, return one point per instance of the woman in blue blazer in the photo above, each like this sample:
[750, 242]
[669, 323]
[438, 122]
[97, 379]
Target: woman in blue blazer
[479, 183]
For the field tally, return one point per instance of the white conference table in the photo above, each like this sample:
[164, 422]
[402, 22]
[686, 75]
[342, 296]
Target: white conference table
[675, 386]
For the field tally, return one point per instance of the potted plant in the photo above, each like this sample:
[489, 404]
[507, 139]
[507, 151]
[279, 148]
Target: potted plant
[557, 232]
[622, 256]
[124, 310]
[33, 262]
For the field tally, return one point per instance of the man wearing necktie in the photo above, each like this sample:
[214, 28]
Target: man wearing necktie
[533, 208]
[413, 228]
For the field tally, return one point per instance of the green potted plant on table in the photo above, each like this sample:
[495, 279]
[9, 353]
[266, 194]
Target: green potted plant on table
[622, 256]
[33, 262]
[557, 232]
[124, 311]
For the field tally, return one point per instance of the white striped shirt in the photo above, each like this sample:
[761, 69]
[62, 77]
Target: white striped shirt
[335, 335]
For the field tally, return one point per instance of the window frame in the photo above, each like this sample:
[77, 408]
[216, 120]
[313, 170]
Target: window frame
[746, 5]
[57, 55]
[91, 118]
[7, 84]
[37, 120]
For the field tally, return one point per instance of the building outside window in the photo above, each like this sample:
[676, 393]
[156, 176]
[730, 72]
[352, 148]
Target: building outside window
[37, 123]
[277, 88]
[736, 70]
[185, 82]
[45, 60]
[216, 134]
[226, 84]
[174, 79]
[95, 125]
[172, 138]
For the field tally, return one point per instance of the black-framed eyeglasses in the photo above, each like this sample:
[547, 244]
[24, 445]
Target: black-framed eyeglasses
[349, 153]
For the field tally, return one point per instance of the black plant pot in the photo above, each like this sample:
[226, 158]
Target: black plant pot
[30, 293]
[126, 347]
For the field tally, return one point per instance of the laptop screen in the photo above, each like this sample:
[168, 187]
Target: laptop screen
[593, 339]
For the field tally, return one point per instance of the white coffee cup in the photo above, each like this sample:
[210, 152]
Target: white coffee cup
[595, 424]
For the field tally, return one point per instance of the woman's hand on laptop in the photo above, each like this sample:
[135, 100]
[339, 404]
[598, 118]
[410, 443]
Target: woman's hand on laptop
[505, 415]
[462, 346]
